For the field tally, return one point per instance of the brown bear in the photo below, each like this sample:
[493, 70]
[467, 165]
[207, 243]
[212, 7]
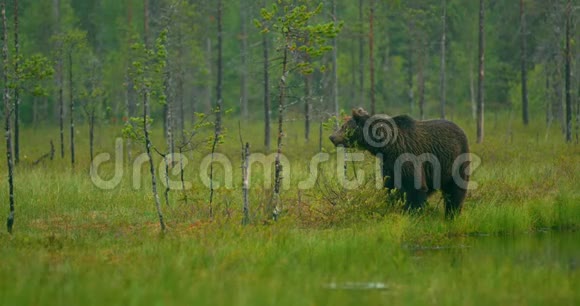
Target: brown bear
[418, 157]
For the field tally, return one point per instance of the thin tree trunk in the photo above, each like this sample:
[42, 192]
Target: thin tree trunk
[180, 100]
[218, 111]
[480, 97]
[182, 175]
[568, 72]
[335, 68]
[442, 80]
[179, 92]
[281, 106]
[361, 64]
[244, 62]
[150, 157]
[17, 87]
[523, 60]
[51, 154]
[245, 183]
[371, 56]
[219, 66]
[7, 123]
[169, 124]
[166, 176]
[266, 91]
[60, 81]
[72, 109]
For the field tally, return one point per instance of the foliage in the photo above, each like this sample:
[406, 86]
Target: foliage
[33, 74]
[296, 32]
[148, 74]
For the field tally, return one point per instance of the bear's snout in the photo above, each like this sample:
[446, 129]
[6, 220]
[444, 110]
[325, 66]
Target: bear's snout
[335, 140]
[331, 137]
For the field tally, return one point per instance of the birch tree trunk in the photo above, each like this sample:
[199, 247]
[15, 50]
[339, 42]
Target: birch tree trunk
[219, 66]
[218, 110]
[245, 184]
[148, 146]
[72, 109]
[281, 106]
[7, 123]
[179, 87]
[17, 87]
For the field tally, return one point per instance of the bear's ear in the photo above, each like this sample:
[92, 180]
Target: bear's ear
[360, 115]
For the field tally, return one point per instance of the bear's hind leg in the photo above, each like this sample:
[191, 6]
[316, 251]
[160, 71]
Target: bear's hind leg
[454, 197]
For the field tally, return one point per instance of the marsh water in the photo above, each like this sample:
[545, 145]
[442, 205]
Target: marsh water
[543, 248]
[537, 268]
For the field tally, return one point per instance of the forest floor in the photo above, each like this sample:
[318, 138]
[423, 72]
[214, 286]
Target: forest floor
[516, 241]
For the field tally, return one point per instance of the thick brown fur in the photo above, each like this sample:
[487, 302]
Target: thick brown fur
[400, 142]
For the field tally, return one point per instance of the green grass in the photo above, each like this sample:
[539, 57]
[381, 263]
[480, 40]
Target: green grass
[75, 244]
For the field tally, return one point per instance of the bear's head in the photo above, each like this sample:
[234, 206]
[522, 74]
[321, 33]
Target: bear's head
[350, 133]
[373, 133]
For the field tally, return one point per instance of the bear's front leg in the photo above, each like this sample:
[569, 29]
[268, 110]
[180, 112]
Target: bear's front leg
[415, 199]
[388, 180]
[416, 191]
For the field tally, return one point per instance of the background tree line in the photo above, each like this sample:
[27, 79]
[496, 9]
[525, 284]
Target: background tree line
[134, 62]
[423, 53]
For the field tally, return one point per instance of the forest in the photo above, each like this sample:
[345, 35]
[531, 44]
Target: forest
[178, 152]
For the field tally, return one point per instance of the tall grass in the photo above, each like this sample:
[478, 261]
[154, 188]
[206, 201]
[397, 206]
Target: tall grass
[524, 183]
[76, 244]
